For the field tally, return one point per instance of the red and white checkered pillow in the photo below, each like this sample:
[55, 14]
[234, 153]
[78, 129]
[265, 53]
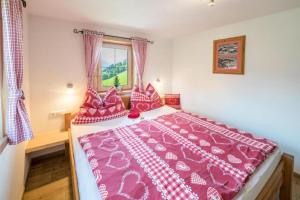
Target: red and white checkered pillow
[173, 100]
[94, 109]
[144, 101]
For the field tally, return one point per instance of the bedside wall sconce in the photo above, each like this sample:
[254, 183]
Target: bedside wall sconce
[70, 88]
[211, 3]
[158, 86]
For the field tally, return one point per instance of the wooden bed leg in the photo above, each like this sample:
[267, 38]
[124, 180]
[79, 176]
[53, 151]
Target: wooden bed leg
[68, 119]
[288, 171]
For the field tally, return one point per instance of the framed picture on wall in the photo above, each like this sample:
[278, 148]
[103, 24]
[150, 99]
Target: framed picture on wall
[229, 55]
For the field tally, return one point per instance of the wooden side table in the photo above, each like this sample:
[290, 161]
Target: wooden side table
[46, 141]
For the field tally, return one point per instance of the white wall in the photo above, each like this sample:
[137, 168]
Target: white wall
[57, 57]
[12, 165]
[266, 100]
[12, 159]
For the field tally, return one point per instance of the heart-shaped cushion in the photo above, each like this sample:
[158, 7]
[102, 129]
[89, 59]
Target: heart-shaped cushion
[133, 115]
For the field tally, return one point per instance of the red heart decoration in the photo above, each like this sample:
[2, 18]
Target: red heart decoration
[143, 106]
[251, 154]
[132, 187]
[223, 179]
[118, 160]
[219, 139]
[108, 144]
[169, 140]
[181, 121]
[198, 128]
[133, 115]
[191, 156]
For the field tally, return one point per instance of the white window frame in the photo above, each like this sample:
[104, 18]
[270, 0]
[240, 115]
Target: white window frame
[3, 137]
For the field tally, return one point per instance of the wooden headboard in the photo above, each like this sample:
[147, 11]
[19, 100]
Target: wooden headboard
[70, 116]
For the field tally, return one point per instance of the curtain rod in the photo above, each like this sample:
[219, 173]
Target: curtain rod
[127, 38]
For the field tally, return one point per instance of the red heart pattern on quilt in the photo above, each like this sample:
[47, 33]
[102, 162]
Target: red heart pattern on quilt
[231, 158]
[223, 179]
[94, 109]
[196, 179]
[190, 155]
[137, 189]
[98, 176]
[160, 147]
[103, 191]
[213, 194]
[204, 143]
[118, 160]
[213, 166]
[142, 101]
[169, 140]
[108, 144]
[219, 139]
[180, 165]
[170, 156]
[152, 141]
[249, 153]
[197, 128]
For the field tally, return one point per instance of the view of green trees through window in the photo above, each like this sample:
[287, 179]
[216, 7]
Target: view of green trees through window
[114, 62]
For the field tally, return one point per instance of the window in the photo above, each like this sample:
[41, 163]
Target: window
[116, 66]
[3, 139]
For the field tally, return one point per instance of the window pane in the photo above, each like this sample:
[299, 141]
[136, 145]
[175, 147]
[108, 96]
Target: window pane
[114, 66]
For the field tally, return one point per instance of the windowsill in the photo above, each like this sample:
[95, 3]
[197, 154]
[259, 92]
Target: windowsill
[125, 92]
[121, 93]
[3, 143]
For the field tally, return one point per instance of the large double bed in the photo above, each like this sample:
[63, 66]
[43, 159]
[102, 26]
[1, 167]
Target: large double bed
[271, 179]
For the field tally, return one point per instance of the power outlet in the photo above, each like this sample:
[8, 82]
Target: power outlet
[56, 114]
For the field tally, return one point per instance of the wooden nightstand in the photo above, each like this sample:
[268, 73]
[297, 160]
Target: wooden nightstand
[46, 141]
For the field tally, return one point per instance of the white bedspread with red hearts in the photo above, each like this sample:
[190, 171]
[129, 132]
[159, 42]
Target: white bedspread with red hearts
[175, 156]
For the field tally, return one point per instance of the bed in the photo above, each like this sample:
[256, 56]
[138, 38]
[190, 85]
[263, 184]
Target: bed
[273, 178]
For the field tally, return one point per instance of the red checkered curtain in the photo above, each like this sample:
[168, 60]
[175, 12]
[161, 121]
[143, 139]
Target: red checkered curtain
[18, 128]
[139, 46]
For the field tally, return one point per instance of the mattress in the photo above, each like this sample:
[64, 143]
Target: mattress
[86, 182]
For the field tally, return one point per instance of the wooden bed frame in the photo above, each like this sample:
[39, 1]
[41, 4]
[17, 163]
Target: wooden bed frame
[280, 182]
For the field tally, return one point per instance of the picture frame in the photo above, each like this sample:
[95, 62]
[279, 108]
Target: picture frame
[229, 55]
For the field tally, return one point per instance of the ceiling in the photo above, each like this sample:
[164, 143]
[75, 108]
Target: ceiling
[169, 18]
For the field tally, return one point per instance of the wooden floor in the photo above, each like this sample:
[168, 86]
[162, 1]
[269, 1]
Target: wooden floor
[49, 179]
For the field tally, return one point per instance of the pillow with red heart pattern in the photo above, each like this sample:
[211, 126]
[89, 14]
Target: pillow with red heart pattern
[94, 109]
[145, 101]
[92, 99]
